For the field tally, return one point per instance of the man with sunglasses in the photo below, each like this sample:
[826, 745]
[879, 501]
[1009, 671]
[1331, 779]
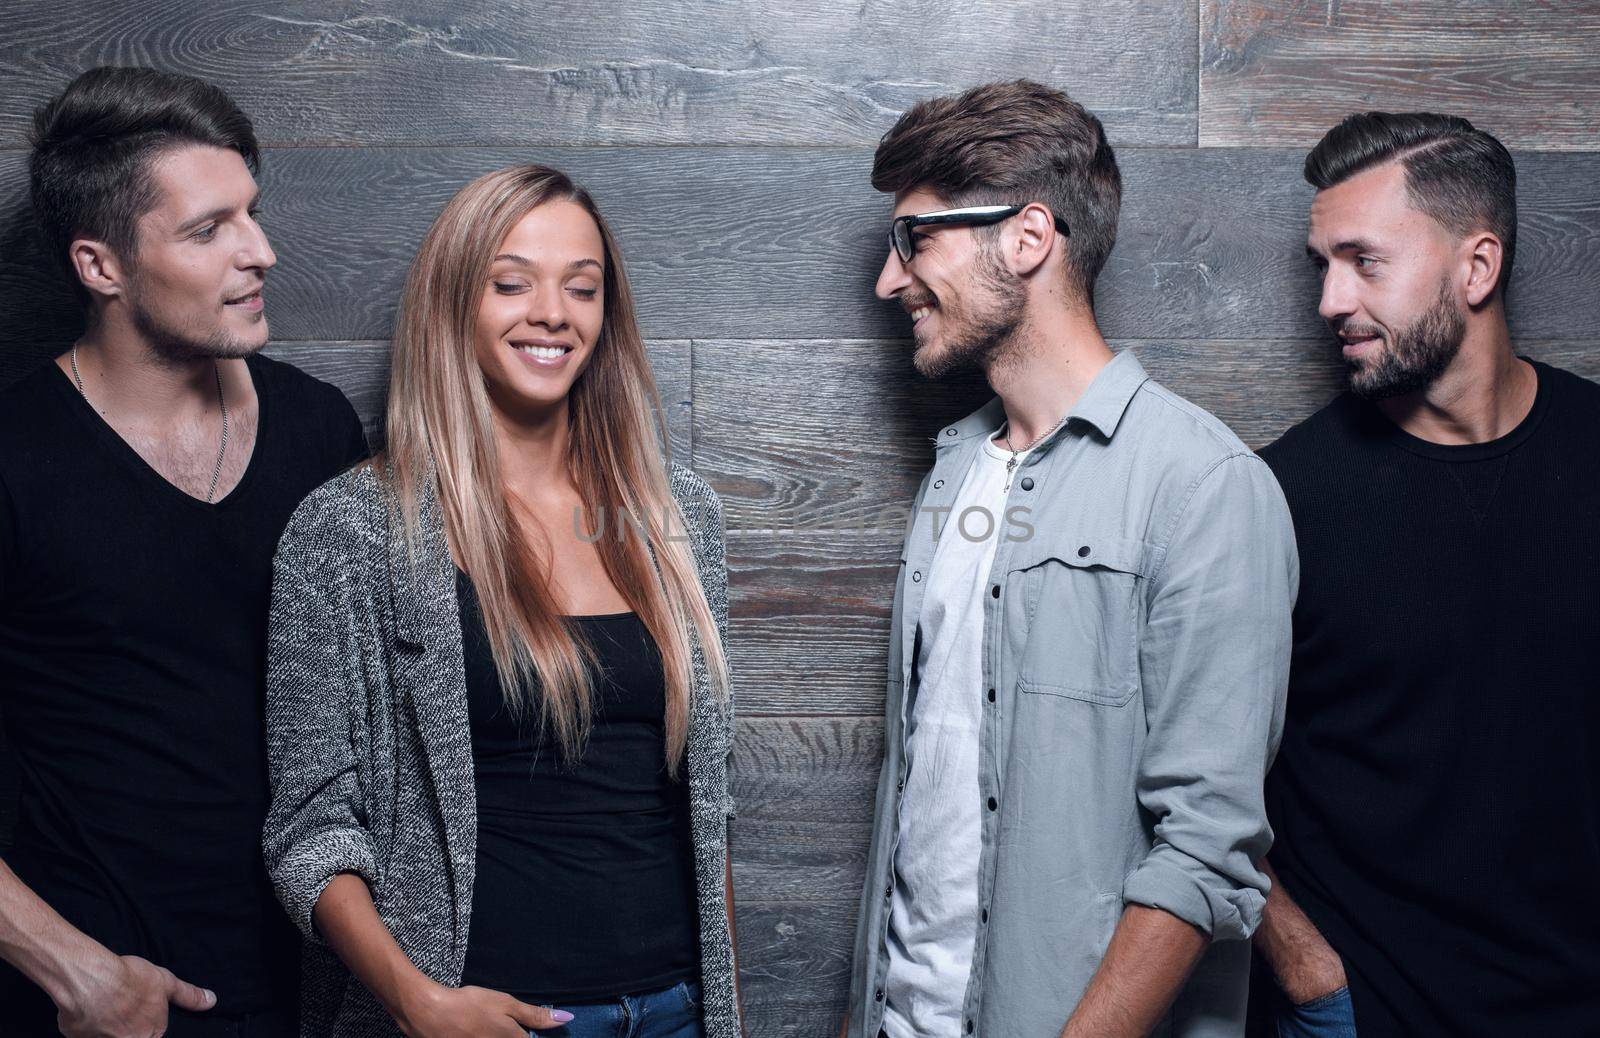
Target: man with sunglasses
[1090, 634]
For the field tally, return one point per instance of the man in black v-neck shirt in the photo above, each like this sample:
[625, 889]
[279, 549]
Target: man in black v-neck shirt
[1436, 798]
[145, 477]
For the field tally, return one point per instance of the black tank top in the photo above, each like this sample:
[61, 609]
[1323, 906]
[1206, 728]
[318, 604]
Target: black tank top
[585, 883]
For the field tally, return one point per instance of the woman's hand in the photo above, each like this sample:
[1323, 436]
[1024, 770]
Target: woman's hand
[435, 1011]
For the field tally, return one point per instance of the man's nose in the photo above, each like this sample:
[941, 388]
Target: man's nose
[893, 278]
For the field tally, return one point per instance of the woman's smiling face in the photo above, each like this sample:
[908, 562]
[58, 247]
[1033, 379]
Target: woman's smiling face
[541, 310]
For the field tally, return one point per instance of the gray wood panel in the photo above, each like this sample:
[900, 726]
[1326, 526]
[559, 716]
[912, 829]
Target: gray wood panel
[563, 72]
[1274, 74]
[786, 243]
[809, 631]
[794, 962]
[805, 789]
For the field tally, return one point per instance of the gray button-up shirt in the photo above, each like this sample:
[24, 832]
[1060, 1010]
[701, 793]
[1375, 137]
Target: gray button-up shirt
[1135, 655]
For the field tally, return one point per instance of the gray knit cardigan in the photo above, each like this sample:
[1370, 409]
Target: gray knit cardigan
[371, 753]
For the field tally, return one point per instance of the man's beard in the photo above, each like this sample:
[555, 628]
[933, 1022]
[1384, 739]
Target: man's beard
[1418, 354]
[975, 339]
[175, 345]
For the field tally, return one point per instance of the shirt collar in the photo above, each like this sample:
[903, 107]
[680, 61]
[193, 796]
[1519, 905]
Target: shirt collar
[1102, 404]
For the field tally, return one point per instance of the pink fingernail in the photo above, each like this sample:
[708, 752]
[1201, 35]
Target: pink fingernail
[560, 1016]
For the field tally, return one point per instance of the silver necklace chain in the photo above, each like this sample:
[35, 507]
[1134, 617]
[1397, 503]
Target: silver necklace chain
[222, 403]
[1011, 464]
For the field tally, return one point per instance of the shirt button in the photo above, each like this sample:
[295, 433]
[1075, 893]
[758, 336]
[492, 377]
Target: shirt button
[916, 576]
[888, 891]
[996, 590]
[949, 432]
[878, 995]
[969, 1026]
[993, 803]
[938, 483]
[991, 695]
[1083, 552]
[900, 787]
[1027, 482]
[985, 915]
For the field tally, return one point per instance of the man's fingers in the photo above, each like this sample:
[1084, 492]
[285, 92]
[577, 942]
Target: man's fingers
[536, 1018]
[186, 996]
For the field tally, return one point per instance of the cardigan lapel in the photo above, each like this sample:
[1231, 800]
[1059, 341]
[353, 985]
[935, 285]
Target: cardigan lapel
[430, 673]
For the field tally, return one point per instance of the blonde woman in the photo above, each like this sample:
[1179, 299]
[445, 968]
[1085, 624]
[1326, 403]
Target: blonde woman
[498, 714]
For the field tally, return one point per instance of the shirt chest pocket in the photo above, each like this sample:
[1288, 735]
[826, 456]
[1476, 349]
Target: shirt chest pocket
[1082, 599]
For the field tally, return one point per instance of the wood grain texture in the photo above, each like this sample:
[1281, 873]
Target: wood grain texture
[786, 243]
[1274, 74]
[809, 631]
[565, 72]
[805, 789]
[794, 966]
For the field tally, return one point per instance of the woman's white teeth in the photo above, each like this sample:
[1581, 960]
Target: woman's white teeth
[544, 352]
[920, 312]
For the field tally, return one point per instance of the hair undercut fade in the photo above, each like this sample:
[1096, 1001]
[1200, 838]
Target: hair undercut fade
[93, 144]
[1016, 142]
[1460, 176]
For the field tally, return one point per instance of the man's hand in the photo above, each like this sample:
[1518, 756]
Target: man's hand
[472, 1012]
[1306, 965]
[97, 993]
[124, 996]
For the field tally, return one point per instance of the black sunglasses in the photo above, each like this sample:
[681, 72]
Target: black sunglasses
[904, 243]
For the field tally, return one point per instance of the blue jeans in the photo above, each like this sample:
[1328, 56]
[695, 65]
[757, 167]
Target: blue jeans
[1331, 1016]
[669, 1013]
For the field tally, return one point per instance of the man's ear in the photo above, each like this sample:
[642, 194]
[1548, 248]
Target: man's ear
[99, 269]
[1485, 258]
[1029, 243]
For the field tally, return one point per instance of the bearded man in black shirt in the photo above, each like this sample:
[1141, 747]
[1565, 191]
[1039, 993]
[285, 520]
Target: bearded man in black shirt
[1436, 799]
[145, 477]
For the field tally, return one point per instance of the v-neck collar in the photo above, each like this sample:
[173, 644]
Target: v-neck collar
[143, 469]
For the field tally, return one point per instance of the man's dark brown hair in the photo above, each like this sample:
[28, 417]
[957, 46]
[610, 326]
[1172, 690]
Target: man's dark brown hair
[1456, 173]
[94, 144]
[1013, 143]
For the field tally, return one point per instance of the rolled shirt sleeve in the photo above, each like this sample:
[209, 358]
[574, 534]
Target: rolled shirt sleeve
[1214, 662]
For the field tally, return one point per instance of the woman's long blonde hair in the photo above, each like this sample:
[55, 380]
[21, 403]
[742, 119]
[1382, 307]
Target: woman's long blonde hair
[439, 428]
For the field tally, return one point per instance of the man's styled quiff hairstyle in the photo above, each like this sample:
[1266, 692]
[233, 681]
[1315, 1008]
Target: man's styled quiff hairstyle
[93, 144]
[1460, 176]
[1016, 142]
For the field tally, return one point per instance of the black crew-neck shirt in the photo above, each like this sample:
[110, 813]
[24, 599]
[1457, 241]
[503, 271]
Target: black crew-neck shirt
[133, 623]
[584, 886]
[1436, 799]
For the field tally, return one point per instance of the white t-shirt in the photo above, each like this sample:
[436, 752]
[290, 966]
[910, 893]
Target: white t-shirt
[933, 914]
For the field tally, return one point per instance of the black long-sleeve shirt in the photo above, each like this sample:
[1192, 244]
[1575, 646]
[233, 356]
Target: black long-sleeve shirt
[1436, 799]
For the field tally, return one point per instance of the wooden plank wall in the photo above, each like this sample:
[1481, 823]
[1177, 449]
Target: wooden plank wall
[729, 141]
